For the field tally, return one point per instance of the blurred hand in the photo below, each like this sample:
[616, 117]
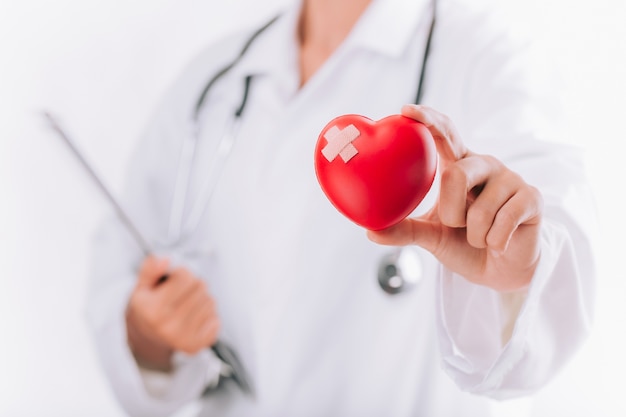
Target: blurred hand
[485, 223]
[178, 314]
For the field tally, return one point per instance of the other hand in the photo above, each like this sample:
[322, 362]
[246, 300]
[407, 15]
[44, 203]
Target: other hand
[178, 314]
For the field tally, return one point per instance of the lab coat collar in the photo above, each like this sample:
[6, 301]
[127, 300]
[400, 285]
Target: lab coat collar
[387, 27]
[280, 62]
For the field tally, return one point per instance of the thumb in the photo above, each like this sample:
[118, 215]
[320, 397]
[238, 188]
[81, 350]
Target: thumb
[151, 271]
[410, 231]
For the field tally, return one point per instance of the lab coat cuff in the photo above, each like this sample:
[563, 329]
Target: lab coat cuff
[479, 340]
[163, 385]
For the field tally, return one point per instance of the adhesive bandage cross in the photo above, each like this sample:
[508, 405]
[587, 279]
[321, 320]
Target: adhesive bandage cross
[340, 143]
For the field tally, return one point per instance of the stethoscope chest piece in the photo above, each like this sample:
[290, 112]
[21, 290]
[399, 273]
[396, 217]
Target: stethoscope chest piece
[400, 270]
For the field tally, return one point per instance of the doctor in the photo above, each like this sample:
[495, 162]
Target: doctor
[502, 242]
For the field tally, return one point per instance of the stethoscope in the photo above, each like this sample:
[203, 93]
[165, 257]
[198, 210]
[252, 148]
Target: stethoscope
[398, 271]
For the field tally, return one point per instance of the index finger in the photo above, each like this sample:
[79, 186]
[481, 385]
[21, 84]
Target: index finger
[152, 270]
[447, 139]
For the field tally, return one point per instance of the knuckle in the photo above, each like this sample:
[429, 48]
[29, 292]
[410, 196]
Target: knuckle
[508, 176]
[453, 196]
[493, 161]
[149, 313]
[479, 221]
[508, 218]
[454, 175]
[151, 317]
[169, 331]
[494, 164]
[496, 242]
[182, 275]
[479, 215]
[535, 195]
[453, 216]
[443, 121]
[476, 240]
[497, 239]
[177, 272]
[199, 285]
[209, 311]
[505, 224]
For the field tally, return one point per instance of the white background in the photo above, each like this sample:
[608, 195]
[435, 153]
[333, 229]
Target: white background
[101, 65]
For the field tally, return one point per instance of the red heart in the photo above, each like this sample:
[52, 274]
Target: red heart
[379, 177]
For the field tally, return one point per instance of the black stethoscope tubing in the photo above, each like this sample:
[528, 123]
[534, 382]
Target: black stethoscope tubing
[227, 68]
[391, 277]
[202, 98]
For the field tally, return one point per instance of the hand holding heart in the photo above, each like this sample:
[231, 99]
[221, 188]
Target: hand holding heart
[485, 223]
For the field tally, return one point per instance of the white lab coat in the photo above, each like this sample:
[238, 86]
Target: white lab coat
[295, 281]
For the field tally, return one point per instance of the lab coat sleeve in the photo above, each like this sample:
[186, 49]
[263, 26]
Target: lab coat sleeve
[507, 345]
[147, 198]
[140, 392]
